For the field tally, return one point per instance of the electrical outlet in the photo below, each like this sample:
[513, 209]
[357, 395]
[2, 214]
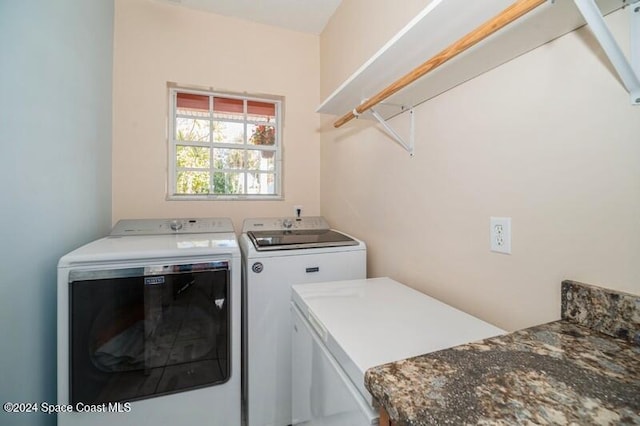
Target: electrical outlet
[500, 232]
[297, 210]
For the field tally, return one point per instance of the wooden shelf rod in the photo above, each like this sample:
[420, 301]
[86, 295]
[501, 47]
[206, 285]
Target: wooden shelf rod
[510, 14]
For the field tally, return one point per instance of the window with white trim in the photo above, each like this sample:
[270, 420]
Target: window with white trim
[224, 146]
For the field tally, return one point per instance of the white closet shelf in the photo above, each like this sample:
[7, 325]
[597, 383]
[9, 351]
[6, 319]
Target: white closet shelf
[436, 27]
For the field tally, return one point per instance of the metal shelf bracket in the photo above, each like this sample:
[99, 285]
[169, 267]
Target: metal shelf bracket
[628, 70]
[408, 146]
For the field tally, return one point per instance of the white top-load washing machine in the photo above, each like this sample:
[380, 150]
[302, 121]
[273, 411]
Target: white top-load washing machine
[341, 329]
[149, 326]
[277, 253]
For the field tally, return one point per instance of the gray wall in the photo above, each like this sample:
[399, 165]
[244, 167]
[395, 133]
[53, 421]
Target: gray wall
[55, 174]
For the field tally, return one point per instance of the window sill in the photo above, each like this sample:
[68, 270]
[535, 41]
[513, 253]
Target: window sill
[224, 198]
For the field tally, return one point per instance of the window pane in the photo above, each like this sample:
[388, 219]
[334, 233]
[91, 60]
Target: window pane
[192, 156]
[261, 111]
[228, 158]
[226, 132]
[188, 129]
[224, 144]
[194, 105]
[228, 183]
[262, 134]
[261, 183]
[261, 160]
[228, 108]
[189, 182]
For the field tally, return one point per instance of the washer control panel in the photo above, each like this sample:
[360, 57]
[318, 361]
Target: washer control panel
[172, 226]
[285, 223]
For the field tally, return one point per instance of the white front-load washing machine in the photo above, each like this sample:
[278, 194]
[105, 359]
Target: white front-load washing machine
[277, 253]
[149, 326]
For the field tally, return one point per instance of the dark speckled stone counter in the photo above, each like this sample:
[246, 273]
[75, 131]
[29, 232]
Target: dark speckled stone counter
[562, 372]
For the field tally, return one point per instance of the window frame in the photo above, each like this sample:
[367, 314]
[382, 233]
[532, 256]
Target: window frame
[173, 144]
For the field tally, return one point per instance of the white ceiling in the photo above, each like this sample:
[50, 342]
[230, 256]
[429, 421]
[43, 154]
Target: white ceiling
[309, 16]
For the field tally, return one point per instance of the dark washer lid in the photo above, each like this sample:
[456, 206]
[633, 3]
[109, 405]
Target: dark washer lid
[289, 240]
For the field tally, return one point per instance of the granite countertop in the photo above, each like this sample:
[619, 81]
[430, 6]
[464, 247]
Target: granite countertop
[583, 369]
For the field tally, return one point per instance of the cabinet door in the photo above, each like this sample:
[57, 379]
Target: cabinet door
[322, 394]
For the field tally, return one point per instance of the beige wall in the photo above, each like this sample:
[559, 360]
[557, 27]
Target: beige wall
[156, 43]
[549, 139]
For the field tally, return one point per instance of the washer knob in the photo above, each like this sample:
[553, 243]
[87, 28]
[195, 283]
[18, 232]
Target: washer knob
[287, 223]
[175, 225]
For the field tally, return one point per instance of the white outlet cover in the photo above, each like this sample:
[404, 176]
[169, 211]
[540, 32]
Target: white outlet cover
[500, 232]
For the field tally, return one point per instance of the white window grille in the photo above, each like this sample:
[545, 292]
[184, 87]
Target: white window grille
[224, 146]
